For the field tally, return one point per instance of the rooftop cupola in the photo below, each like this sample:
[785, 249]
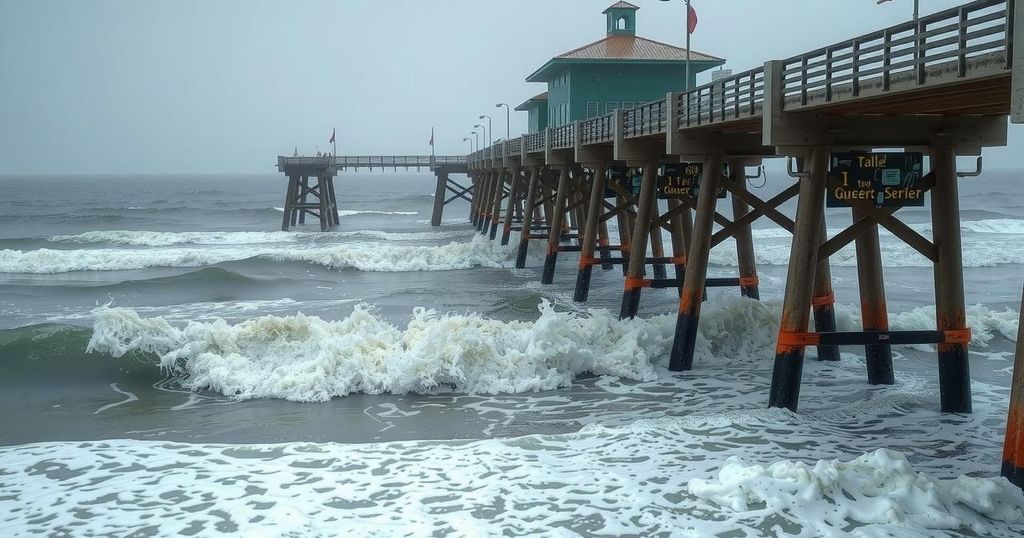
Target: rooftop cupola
[621, 19]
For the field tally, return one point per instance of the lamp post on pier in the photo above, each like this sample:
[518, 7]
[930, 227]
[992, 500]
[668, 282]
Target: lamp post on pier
[917, 7]
[470, 140]
[490, 128]
[476, 136]
[508, 119]
[484, 134]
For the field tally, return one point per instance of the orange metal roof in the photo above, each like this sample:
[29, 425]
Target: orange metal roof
[627, 47]
[536, 98]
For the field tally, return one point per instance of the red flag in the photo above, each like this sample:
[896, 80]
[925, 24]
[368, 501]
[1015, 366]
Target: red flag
[431, 137]
[331, 141]
[691, 19]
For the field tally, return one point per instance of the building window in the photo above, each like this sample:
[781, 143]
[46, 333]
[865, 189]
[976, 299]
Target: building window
[611, 106]
[626, 105]
[620, 24]
[593, 109]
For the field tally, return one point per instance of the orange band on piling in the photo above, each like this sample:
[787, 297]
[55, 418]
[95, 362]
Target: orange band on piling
[602, 242]
[688, 300]
[792, 339]
[637, 283]
[957, 336]
[824, 300]
[678, 260]
[588, 261]
[749, 281]
[1013, 449]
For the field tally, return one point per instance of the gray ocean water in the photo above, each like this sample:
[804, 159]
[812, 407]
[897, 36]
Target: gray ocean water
[190, 272]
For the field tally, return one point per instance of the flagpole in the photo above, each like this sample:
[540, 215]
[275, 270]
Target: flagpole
[687, 45]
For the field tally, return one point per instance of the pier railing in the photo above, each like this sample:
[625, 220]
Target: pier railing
[596, 130]
[563, 137]
[972, 40]
[903, 52]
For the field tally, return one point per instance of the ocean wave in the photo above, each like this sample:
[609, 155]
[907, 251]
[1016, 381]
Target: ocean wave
[355, 212]
[977, 252]
[1006, 226]
[304, 358]
[161, 239]
[377, 257]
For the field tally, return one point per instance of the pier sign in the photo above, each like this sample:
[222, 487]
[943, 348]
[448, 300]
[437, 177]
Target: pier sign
[884, 179]
[616, 175]
[682, 181]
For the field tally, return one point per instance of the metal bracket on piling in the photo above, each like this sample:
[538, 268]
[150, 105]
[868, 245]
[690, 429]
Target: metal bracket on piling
[975, 173]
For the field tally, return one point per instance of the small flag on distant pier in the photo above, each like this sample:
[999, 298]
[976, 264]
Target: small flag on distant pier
[331, 141]
[431, 137]
[691, 19]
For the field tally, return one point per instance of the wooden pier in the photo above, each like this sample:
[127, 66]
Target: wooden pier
[941, 86]
[300, 192]
[938, 87]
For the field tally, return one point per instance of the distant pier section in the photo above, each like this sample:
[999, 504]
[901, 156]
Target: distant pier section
[311, 190]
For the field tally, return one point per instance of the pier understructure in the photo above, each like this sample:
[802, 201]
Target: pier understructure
[318, 199]
[937, 88]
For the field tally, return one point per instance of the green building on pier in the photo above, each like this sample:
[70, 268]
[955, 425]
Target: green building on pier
[622, 70]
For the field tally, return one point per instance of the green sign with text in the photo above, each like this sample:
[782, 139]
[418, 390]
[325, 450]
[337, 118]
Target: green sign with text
[883, 179]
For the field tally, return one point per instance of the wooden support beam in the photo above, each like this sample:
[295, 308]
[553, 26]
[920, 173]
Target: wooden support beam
[499, 195]
[873, 311]
[640, 234]
[514, 194]
[1013, 448]
[803, 261]
[557, 223]
[289, 202]
[529, 215]
[743, 234]
[697, 257]
[590, 233]
[950, 311]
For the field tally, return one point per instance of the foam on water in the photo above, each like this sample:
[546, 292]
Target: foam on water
[382, 257]
[875, 492]
[304, 358]
[163, 239]
[354, 212]
[653, 478]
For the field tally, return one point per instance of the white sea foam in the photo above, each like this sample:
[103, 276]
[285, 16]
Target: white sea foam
[162, 239]
[981, 251]
[872, 495]
[382, 257]
[985, 323]
[601, 482]
[354, 212]
[304, 358]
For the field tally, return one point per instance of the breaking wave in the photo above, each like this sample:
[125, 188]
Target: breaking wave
[163, 239]
[376, 257]
[304, 358]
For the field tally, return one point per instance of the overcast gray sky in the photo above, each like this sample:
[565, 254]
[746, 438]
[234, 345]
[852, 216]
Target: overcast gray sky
[184, 86]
